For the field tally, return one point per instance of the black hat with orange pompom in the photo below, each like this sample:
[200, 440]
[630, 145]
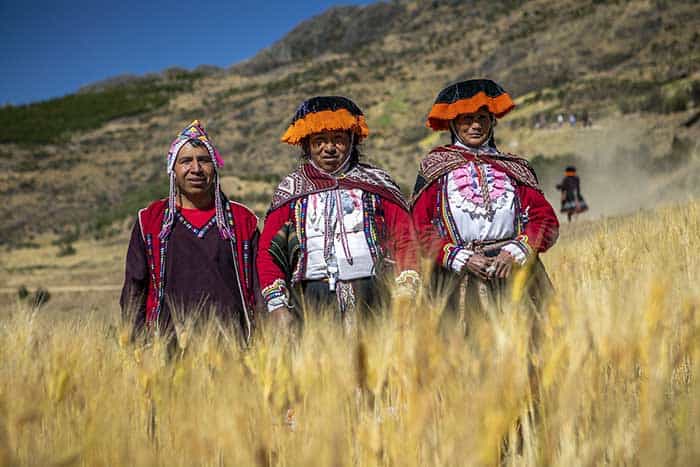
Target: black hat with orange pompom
[326, 113]
[468, 97]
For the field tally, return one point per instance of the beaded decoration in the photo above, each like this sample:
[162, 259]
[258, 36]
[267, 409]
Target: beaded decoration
[199, 232]
[149, 257]
[228, 216]
[329, 223]
[160, 287]
[484, 187]
[368, 224]
[275, 291]
[373, 223]
[522, 218]
[334, 217]
[437, 218]
[521, 241]
[299, 208]
[446, 215]
[449, 254]
[246, 263]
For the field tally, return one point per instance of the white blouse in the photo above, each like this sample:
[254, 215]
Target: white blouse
[481, 199]
[476, 218]
[348, 256]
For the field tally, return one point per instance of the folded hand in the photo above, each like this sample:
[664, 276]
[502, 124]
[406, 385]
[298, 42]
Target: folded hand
[478, 264]
[502, 265]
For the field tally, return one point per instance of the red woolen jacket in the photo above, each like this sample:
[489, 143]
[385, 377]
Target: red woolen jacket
[394, 229]
[540, 231]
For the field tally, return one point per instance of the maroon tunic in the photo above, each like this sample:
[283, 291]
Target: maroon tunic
[199, 271]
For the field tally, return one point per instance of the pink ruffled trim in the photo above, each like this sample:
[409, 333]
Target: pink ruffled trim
[467, 183]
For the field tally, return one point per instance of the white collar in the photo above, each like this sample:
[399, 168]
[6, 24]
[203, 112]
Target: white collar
[484, 149]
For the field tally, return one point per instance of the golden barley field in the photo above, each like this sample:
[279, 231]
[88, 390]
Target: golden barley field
[617, 370]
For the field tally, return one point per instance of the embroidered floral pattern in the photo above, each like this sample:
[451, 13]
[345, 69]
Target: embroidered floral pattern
[407, 284]
[480, 190]
[307, 180]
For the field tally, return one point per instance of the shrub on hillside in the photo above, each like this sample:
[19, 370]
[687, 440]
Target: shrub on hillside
[65, 240]
[36, 299]
[66, 249]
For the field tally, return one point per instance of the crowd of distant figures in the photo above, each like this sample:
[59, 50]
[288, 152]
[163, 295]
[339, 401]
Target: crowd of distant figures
[543, 121]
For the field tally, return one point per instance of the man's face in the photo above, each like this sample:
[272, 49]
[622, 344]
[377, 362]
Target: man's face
[194, 170]
[329, 149]
[474, 128]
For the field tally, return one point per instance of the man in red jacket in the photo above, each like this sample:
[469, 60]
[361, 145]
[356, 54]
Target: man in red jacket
[194, 251]
[479, 212]
[336, 225]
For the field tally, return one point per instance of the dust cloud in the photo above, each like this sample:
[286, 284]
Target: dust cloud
[626, 169]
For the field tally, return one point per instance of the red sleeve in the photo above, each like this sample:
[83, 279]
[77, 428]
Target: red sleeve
[268, 270]
[246, 231]
[542, 228]
[423, 214]
[401, 242]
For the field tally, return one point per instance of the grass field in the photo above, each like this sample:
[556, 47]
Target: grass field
[618, 365]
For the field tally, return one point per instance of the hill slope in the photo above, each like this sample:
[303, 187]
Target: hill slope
[633, 66]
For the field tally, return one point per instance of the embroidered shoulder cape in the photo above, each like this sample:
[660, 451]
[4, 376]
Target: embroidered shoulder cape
[307, 179]
[444, 159]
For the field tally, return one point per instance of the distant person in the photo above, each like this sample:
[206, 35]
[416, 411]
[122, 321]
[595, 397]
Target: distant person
[193, 251]
[572, 119]
[572, 201]
[336, 226]
[585, 119]
[480, 213]
[541, 121]
[560, 120]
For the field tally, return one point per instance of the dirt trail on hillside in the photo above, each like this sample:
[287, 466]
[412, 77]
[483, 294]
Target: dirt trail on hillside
[627, 170]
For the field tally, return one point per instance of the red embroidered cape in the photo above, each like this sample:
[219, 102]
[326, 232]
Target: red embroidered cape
[540, 231]
[307, 179]
[396, 223]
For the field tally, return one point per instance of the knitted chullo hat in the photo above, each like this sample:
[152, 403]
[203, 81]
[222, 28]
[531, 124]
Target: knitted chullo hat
[468, 97]
[326, 113]
[194, 131]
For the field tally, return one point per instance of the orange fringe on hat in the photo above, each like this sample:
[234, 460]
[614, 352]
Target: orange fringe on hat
[325, 120]
[441, 113]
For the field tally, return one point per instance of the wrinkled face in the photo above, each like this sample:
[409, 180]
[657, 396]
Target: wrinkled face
[329, 149]
[194, 170]
[474, 128]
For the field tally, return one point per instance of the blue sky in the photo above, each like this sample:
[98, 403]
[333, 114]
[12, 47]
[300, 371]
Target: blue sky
[51, 48]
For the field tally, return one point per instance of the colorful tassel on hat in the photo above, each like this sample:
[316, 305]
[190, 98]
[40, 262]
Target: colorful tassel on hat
[194, 131]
